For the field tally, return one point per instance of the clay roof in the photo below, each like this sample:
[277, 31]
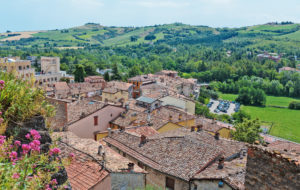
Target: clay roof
[84, 171]
[84, 87]
[61, 86]
[82, 108]
[142, 78]
[110, 90]
[181, 157]
[290, 149]
[165, 112]
[133, 118]
[142, 130]
[167, 71]
[114, 162]
[209, 125]
[124, 86]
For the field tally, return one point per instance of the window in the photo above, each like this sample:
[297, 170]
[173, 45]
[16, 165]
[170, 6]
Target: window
[95, 120]
[170, 184]
[20, 67]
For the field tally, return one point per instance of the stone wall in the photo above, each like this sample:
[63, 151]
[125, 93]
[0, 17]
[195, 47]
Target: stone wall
[60, 119]
[268, 169]
[127, 181]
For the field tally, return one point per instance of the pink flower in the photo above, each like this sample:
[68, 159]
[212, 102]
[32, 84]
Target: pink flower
[2, 139]
[27, 136]
[53, 181]
[2, 82]
[17, 143]
[36, 135]
[0, 112]
[13, 154]
[54, 151]
[35, 145]
[16, 176]
[25, 148]
[72, 155]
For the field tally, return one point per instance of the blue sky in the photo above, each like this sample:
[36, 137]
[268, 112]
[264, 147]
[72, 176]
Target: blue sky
[23, 15]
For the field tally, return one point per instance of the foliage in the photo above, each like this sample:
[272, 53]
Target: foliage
[247, 131]
[201, 110]
[106, 76]
[19, 100]
[251, 96]
[24, 167]
[294, 105]
[116, 73]
[240, 116]
[79, 73]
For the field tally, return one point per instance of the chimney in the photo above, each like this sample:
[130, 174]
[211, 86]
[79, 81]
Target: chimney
[221, 163]
[180, 117]
[170, 117]
[100, 149]
[130, 167]
[109, 131]
[199, 128]
[192, 129]
[217, 136]
[143, 140]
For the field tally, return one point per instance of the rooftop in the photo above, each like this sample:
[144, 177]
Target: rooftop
[124, 86]
[110, 90]
[113, 162]
[171, 114]
[146, 99]
[133, 118]
[183, 154]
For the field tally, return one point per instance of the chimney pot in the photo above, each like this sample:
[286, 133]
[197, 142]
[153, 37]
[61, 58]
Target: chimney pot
[217, 136]
[221, 163]
[192, 129]
[109, 131]
[143, 140]
[130, 167]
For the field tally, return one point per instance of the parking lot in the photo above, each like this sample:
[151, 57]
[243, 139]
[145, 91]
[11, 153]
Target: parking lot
[223, 107]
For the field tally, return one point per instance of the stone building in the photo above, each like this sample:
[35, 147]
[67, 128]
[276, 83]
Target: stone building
[117, 92]
[21, 68]
[184, 160]
[50, 65]
[96, 166]
[274, 167]
[98, 121]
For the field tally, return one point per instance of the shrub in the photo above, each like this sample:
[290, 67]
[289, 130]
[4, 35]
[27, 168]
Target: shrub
[19, 100]
[24, 167]
[294, 105]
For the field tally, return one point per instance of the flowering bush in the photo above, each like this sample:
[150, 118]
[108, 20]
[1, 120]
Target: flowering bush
[22, 166]
[19, 100]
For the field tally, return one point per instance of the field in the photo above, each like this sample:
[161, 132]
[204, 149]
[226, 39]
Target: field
[286, 122]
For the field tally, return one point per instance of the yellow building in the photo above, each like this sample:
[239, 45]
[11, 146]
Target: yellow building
[112, 95]
[213, 127]
[168, 127]
[20, 68]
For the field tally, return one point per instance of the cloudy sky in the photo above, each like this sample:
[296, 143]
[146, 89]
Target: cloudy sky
[20, 15]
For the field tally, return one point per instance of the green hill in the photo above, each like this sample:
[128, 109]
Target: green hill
[92, 34]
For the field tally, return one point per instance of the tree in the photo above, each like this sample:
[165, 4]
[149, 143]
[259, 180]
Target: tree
[201, 110]
[116, 73]
[240, 116]
[90, 69]
[134, 71]
[79, 73]
[106, 76]
[247, 131]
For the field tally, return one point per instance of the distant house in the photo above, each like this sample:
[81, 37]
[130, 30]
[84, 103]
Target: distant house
[180, 103]
[298, 66]
[149, 103]
[89, 125]
[184, 159]
[289, 69]
[168, 73]
[138, 81]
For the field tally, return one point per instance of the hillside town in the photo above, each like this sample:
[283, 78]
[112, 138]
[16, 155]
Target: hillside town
[144, 132]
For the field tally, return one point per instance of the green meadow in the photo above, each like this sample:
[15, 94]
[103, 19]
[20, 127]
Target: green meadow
[285, 123]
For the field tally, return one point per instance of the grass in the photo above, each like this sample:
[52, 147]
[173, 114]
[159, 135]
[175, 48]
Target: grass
[286, 122]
